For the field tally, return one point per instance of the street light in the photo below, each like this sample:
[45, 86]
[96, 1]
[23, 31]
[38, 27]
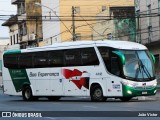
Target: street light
[39, 4]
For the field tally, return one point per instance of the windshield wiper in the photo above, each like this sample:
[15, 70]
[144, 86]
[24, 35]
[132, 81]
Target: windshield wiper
[145, 69]
[138, 70]
[142, 68]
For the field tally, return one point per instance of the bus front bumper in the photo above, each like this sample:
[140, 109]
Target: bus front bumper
[133, 92]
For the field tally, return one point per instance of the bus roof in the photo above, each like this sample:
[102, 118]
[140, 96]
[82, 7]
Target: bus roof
[122, 44]
[108, 43]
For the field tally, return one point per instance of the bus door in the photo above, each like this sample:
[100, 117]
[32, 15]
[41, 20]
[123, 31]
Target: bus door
[114, 86]
[113, 71]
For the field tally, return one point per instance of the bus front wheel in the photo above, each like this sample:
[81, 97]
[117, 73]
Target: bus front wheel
[97, 94]
[27, 93]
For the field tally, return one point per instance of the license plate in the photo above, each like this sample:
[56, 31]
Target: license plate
[144, 93]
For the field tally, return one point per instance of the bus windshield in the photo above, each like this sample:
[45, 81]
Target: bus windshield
[138, 65]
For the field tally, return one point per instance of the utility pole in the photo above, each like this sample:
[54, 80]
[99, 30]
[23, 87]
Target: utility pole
[139, 30]
[37, 40]
[73, 24]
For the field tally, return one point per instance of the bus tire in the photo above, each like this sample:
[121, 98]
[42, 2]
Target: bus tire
[53, 98]
[97, 94]
[27, 93]
[125, 99]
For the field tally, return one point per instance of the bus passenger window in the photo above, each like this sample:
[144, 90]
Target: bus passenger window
[11, 61]
[72, 57]
[104, 51]
[115, 66]
[89, 56]
[55, 59]
[40, 59]
[25, 60]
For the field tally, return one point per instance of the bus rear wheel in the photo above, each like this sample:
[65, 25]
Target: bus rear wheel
[97, 94]
[125, 99]
[27, 93]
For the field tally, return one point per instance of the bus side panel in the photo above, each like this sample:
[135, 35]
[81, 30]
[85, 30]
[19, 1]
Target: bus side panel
[46, 81]
[8, 83]
[114, 86]
[56, 82]
[75, 83]
[40, 81]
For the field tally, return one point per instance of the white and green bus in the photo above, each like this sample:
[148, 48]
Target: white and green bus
[96, 69]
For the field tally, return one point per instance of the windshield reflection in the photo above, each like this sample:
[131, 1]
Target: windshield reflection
[138, 66]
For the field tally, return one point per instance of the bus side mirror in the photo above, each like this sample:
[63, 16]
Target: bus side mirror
[153, 58]
[121, 55]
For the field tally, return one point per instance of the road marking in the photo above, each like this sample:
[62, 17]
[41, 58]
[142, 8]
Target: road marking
[50, 118]
[89, 107]
[57, 103]
[145, 98]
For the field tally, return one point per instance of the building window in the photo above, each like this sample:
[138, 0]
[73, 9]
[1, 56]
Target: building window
[23, 29]
[149, 34]
[21, 8]
[11, 39]
[77, 10]
[148, 2]
[14, 39]
[17, 39]
[78, 36]
[149, 21]
[137, 3]
[103, 8]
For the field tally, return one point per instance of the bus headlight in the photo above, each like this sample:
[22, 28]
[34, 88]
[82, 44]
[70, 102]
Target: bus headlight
[155, 91]
[129, 92]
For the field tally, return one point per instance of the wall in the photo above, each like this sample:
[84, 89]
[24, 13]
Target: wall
[88, 11]
[51, 28]
[87, 8]
[154, 42]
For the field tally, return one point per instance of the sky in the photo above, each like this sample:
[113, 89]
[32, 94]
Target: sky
[6, 8]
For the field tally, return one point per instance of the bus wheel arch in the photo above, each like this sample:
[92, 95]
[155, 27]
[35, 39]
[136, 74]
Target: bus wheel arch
[96, 93]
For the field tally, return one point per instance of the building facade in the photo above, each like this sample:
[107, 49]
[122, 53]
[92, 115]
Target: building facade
[27, 31]
[73, 19]
[4, 42]
[148, 27]
[121, 24]
[12, 23]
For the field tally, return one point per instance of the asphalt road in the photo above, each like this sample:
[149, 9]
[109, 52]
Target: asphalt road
[14, 103]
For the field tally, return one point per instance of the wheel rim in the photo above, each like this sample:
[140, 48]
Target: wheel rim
[27, 94]
[97, 93]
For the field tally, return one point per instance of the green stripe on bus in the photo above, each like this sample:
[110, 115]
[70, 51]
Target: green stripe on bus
[19, 78]
[12, 52]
